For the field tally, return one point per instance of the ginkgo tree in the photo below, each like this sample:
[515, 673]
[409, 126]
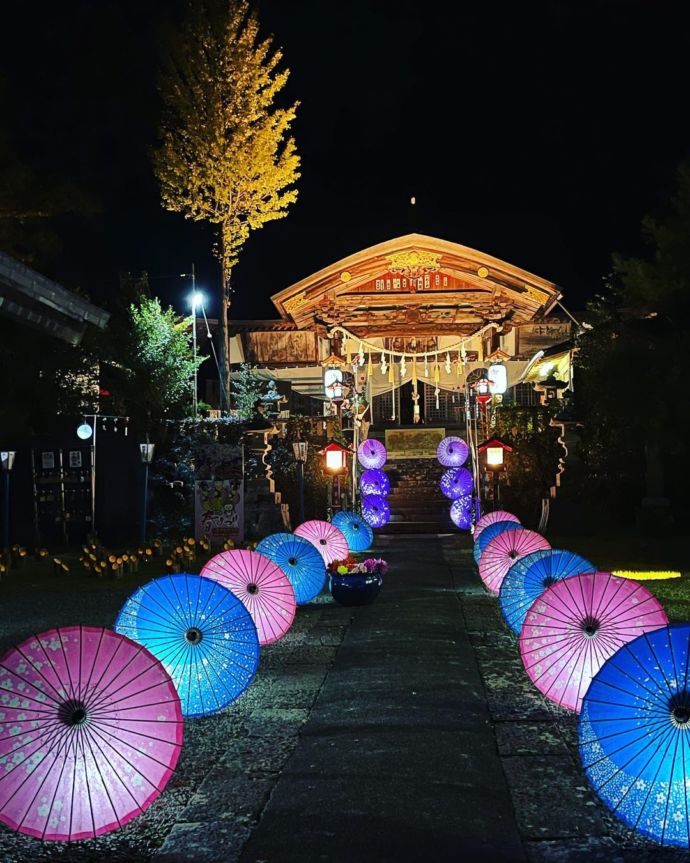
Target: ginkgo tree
[226, 156]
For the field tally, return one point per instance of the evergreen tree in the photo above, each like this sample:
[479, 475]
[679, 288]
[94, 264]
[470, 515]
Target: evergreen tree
[249, 391]
[226, 157]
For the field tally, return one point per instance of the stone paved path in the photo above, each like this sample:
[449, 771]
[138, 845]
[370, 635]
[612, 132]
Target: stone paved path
[397, 761]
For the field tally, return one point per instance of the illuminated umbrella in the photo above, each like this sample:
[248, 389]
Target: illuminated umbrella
[299, 560]
[456, 482]
[529, 577]
[491, 532]
[371, 453]
[375, 510]
[90, 733]
[576, 625]
[491, 517]
[357, 532]
[502, 552]
[262, 586]
[461, 512]
[634, 740]
[452, 451]
[202, 633]
[374, 482]
[326, 538]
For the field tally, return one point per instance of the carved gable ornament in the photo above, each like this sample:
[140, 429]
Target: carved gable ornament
[413, 262]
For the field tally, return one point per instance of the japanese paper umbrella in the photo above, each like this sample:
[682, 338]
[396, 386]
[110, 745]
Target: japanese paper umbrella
[452, 451]
[357, 532]
[371, 453]
[502, 552]
[576, 625]
[529, 577]
[201, 632]
[300, 562]
[491, 517]
[374, 481]
[634, 734]
[491, 532]
[90, 732]
[326, 538]
[261, 585]
[375, 510]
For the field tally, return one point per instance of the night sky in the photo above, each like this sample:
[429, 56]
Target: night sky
[538, 132]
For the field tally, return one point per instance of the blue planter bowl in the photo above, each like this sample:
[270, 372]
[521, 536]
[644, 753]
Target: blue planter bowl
[359, 589]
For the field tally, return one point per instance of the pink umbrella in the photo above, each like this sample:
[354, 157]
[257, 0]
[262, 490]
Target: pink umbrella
[90, 732]
[577, 624]
[261, 585]
[490, 518]
[502, 552]
[326, 538]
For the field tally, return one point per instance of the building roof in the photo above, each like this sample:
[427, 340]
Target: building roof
[417, 283]
[33, 299]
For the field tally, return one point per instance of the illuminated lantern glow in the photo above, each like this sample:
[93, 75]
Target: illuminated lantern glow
[498, 379]
[333, 383]
[494, 457]
[335, 456]
[84, 431]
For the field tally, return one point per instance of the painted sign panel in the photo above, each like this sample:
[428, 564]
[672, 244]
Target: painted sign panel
[536, 337]
[392, 282]
[413, 443]
[219, 493]
[293, 347]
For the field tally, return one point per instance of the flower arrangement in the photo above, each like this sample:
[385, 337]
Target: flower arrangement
[351, 566]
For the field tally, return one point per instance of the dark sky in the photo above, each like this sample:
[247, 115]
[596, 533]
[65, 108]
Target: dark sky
[539, 132]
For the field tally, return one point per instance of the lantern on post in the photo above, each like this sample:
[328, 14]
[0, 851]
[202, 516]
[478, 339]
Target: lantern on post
[495, 450]
[335, 463]
[482, 391]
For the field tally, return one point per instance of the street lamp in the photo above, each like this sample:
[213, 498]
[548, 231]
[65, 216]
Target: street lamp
[495, 450]
[300, 449]
[7, 461]
[196, 299]
[146, 452]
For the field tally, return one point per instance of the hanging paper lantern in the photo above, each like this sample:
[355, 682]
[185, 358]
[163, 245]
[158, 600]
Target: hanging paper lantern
[371, 453]
[461, 512]
[452, 451]
[456, 482]
[374, 481]
[375, 510]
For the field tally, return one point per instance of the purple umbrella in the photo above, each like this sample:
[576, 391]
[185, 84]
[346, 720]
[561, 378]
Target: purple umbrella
[371, 453]
[452, 451]
[456, 482]
[374, 482]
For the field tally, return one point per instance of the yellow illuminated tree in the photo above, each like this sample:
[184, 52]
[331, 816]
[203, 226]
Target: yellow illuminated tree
[226, 156]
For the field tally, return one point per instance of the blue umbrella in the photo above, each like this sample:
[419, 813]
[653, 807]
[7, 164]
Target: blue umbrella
[635, 734]
[299, 560]
[489, 533]
[529, 577]
[357, 532]
[201, 633]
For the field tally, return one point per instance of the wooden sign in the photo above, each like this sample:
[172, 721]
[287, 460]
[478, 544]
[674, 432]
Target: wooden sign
[413, 443]
[536, 337]
[392, 282]
[285, 348]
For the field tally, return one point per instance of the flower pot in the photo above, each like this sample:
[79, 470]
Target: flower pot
[356, 589]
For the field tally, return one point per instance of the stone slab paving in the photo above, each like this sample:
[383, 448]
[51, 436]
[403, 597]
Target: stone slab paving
[230, 761]
[559, 818]
[397, 761]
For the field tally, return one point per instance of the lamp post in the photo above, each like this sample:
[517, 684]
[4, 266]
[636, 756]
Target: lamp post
[495, 450]
[300, 449]
[146, 452]
[196, 299]
[7, 460]
[335, 462]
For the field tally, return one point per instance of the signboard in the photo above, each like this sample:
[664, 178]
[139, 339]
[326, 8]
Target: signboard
[48, 460]
[396, 282]
[536, 337]
[219, 493]
[294, 347]
[413, 443]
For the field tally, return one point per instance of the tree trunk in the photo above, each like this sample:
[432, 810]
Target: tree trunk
[224, 357]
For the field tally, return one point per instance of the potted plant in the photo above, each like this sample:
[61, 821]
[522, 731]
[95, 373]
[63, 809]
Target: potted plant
[354, 582]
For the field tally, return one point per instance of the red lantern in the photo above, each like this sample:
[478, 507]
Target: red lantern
[335, 457]
[494, 450]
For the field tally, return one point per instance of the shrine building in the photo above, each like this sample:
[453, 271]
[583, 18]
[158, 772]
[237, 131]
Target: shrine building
[417, 319]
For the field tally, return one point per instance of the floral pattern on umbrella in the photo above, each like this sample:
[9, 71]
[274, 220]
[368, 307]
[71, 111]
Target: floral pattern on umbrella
[90, 733]
[491, 517]
[260, 585]
[299, 560]
[502, 552]
[576, 625]
[326, 538]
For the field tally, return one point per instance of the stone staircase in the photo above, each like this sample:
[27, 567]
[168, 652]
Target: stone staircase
[416, 502]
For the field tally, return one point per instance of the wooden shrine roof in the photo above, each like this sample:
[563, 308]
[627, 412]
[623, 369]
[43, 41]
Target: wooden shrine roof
[418, 285]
